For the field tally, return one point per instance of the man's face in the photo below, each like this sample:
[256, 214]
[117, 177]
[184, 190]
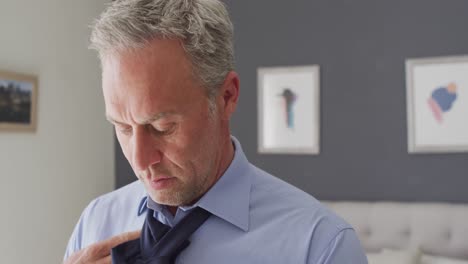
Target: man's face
[163, 121]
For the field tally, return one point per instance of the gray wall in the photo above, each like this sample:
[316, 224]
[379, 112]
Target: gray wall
[361, 46]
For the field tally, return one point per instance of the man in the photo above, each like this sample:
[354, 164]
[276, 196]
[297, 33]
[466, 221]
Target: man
[170, 90]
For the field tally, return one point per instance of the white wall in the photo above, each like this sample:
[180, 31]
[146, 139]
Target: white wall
[48, 177]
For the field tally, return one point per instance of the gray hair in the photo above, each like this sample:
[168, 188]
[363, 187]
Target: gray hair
[203, 26]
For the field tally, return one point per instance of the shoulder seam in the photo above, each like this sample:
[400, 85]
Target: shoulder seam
[340, 231]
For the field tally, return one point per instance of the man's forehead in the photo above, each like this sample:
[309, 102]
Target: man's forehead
[145, 120]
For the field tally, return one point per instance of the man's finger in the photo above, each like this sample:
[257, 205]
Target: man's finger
[100, 251]
[119, 239]
[106, 260]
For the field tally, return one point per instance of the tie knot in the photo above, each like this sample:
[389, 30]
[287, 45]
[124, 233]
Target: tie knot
[159, 243]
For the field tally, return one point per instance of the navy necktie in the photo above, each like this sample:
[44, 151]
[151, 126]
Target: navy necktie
[159, 243]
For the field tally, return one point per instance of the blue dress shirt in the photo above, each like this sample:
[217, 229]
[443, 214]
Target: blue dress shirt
[257, 218]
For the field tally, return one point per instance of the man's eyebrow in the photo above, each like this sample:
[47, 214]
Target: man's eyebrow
[149, 120]
[111, 120]
[115, 122]
[157, 116]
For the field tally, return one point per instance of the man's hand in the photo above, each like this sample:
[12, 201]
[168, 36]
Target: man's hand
[99, 253]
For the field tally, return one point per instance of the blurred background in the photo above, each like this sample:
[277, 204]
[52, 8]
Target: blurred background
[49, 176]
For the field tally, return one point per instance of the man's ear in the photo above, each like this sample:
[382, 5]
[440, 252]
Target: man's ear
[229, 95]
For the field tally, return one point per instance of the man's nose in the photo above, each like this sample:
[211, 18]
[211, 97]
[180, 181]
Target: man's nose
[146, 151]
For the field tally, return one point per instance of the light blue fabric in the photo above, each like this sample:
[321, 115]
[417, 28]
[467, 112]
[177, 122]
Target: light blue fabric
[257, 218]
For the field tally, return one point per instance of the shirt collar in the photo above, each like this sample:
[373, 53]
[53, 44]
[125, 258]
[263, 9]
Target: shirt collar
[229, 198]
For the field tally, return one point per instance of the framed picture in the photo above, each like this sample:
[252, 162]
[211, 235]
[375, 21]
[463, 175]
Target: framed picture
[288, 110]
[18, 102]
[437, 104]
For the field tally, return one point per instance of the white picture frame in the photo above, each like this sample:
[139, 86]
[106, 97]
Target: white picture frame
[437, 104]
[289, 110]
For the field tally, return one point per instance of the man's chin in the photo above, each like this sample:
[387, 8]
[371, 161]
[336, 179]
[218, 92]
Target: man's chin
[165, 197]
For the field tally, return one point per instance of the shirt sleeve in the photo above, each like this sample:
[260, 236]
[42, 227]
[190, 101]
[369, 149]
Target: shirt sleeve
[75, 242]
[345, 248]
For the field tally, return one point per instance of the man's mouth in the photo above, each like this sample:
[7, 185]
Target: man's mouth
[161, 182]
